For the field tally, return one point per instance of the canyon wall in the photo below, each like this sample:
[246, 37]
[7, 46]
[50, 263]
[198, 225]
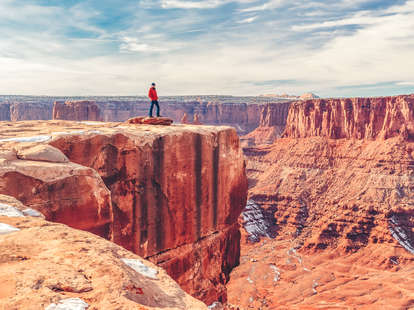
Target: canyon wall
[359, 118]
[4, 111]
[271, 126]
[331, 209]
[245, 117]
[171, 194]
[30, 111]
[81, 110]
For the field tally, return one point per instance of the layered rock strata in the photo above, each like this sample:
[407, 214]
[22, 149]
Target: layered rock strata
[245, 117]
[83, 110]
[271, 126]
[172, 194]
[341, 235]
[50, 266]
[359, 118]
[30, 111]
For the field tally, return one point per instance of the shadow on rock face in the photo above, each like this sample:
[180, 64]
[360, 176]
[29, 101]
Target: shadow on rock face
[259, 222]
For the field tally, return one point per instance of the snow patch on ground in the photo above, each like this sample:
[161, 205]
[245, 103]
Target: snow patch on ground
[215, 306]
[9, 211]
[76, 132]
[31, 212]
[90, 122]
[69, 304]
[400, 235]
[42, 138]
[314, 286]
[7, 229]
[276, 271]
[258, 222]
[139, 267]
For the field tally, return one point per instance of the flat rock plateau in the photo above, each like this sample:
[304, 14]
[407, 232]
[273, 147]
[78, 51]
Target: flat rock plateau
[171, 194]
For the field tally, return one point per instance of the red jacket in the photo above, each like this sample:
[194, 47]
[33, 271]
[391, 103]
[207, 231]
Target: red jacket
[153, 94]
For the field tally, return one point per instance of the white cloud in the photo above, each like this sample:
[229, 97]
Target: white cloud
[217, 61]
[405, 83]
[135, 45]
[247, 20]
[188, 4]
[180, 4]
[273, 4]
[361, 18]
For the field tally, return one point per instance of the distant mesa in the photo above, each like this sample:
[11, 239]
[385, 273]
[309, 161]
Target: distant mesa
[305, 96]
[308, 96]
[283, 96]
[79, 110]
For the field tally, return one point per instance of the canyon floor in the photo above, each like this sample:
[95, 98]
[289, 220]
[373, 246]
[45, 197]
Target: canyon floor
[329, 225]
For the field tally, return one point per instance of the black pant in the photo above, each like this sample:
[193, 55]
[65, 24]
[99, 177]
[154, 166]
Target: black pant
[154, 102]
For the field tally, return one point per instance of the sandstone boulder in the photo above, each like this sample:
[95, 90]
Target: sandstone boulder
[165, 121]
[42, 152]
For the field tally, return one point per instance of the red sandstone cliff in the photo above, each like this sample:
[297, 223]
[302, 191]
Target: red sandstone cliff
[175, 192]
[245, 117]
[30, 111]
[47, 265]
[77, 111]
[272, 124]
[360, 118]
[334, 216]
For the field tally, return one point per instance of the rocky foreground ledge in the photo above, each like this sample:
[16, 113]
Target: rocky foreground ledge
[51, 266]
[171, 194]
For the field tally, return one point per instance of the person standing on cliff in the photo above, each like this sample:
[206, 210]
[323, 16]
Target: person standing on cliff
[152, 94]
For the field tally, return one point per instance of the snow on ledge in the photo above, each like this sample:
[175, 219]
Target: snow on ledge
[9, 211]
[75, 132]
[69, 304]
[139, 267]
[31, 212]
[7, 229]
[41, 138]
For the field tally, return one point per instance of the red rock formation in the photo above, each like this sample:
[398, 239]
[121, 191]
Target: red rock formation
[359, 118]
[76, 110]
[339, 210]
[144, 120]
[176, 192]
[44, 263]
[308, 96]
[245, 117]
[184, 119]
[64, 192]
[196, 120]
[272, 124]
[20, 111]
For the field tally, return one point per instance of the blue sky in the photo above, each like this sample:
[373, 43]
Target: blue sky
[228, 47]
